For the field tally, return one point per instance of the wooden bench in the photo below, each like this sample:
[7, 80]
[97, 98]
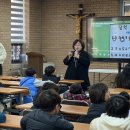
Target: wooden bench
[6, 82]
[11, 91]
[66, 81]
[114, 91]
[13, 122]
[10, 78]
[68, 109]
[14, 91]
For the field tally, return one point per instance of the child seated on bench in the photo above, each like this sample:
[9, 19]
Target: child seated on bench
[31, 82]
[98, 94]
[48, 117]
[46, 86]
[50, 75]
[116, 116]
[75, 92]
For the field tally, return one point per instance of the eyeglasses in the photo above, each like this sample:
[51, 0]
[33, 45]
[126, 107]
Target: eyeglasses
[60, 106]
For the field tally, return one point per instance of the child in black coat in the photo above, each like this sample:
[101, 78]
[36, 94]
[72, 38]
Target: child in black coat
[49, 75]
[48, 117]
[98, 94]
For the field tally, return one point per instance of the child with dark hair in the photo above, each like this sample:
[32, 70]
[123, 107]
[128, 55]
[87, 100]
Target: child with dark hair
[75, 92]
[46, 86]
[125, 94]
[122, 79]
[49, 74]
[116, 116]
[49, 85]
[30, 82]
[48, 117]
[98, 94]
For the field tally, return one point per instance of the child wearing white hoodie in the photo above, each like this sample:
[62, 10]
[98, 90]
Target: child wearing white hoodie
[116, 116]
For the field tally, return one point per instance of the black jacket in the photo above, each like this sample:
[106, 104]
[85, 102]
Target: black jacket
[94, 111]
[78, 68]
[53, 78]
[40, 120]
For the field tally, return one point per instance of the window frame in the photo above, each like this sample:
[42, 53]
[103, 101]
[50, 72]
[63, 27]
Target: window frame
[17, 30]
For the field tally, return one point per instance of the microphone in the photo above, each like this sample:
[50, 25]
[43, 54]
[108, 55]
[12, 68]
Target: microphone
[75, 62]
[75, 59]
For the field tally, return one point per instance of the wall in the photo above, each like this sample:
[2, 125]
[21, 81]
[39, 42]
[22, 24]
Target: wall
[51, 32]
[58, 30]
[34, 26]
[33, 30]
[5, 31]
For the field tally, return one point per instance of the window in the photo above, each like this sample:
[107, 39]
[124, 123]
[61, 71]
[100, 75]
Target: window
[17, 29]
[126, 8]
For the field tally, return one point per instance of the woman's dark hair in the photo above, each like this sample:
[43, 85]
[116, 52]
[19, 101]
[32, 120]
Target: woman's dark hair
[122, 79]
[97, 92]
[80, 41]
[76, 89]
[125, 94]
[48, 99]
[117, 106]
[49, 70]
[30, 72]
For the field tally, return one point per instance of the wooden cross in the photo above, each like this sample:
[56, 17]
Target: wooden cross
[79, 20]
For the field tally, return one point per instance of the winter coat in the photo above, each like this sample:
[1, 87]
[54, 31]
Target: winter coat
[53, 78]
[40, 120]
[94, 111]
[106, 122]
[78, 68]
[28, 82]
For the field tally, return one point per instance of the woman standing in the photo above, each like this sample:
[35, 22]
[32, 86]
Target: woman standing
[78, 62]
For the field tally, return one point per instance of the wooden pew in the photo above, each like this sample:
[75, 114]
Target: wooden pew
[66, 81]
[13, 91]
[114, 91]
[6, 82]
[15, 87]
[10, 78]
[73, 109]
[68, 109]
[80, 126]
[24, 106]
[13, 122]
